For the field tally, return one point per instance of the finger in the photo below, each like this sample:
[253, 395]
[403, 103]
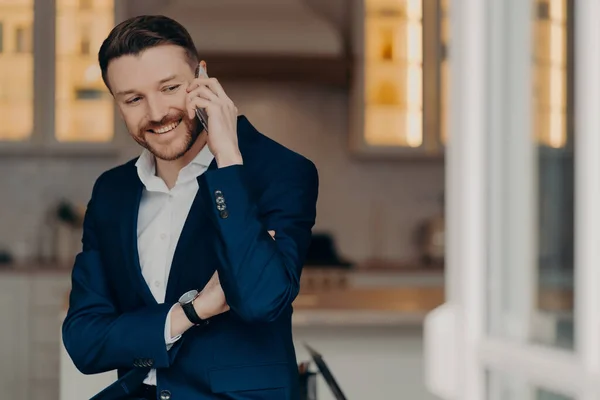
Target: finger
[201, 82]
[197, 102]
[204, 92]
[272, 233]
[213, 84]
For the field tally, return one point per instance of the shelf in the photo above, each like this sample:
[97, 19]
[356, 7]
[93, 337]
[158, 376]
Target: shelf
[322, 70]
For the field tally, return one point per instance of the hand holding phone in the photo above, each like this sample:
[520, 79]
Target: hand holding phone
[207, 99]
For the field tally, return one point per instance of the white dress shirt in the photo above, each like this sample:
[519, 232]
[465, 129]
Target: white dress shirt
[162, 214]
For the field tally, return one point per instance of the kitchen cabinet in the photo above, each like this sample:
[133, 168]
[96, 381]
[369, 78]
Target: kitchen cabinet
[14, 349]
[399, 80]
[30, 304]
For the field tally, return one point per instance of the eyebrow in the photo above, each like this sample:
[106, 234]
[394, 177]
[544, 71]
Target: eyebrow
[131, 91]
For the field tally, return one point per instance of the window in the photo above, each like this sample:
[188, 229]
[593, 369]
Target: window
[71, 102]
[16, 70]
[84, 107]
[522, 290]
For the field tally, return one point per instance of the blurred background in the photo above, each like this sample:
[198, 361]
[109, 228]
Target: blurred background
[366, 90]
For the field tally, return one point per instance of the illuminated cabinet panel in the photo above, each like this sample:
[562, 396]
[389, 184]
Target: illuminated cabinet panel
[16, 69]
[551, 72]
[84, 107]
[395, 91]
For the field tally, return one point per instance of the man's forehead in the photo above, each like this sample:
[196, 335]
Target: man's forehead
[148, 68]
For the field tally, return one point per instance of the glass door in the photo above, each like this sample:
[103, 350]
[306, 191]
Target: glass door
[522, 317]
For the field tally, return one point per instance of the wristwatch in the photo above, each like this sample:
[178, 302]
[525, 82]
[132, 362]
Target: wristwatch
[187, 303]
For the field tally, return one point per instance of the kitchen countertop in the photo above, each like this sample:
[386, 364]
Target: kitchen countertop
[362, 297]
[369, 306]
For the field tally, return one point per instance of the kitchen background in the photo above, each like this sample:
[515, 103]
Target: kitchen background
[359, 87]
[368, 216]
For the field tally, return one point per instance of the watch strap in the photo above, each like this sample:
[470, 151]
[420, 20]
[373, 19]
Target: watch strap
[191, 314]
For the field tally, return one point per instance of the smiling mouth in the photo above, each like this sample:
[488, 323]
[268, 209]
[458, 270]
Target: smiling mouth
[165, 128]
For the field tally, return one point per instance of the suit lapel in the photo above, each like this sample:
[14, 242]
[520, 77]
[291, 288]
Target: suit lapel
[194, 248]
[132, 195]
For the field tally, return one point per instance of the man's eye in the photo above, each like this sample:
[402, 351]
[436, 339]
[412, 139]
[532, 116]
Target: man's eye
[133, 101]
[172, 88]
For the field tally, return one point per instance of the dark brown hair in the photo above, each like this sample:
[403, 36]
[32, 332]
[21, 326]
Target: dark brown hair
[137, 34]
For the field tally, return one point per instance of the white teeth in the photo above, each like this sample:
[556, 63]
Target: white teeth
[167, 128]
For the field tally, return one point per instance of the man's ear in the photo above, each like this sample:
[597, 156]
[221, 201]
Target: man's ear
[203, 68]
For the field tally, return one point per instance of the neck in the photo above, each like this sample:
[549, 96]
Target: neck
[168, 171]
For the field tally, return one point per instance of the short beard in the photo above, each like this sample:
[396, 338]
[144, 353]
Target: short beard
[191, 135]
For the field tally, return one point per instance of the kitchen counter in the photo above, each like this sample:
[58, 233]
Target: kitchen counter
[368, 306]
[356, 296]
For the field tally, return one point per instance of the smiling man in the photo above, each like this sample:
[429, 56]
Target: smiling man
[192, 252]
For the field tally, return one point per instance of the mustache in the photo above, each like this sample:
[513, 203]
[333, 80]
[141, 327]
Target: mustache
[167, 119]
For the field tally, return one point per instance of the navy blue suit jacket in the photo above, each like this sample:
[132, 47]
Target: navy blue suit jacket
[114, 322]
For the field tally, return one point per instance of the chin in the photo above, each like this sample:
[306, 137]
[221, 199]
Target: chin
[173, 149]
[170, 145]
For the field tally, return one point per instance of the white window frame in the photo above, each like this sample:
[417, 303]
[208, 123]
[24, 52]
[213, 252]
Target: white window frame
[458, 349]
[42, 141]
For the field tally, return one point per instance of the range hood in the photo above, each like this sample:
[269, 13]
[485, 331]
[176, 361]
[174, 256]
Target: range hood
[275, 40]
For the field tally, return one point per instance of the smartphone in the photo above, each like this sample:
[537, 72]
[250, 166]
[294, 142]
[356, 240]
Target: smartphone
[200, 112]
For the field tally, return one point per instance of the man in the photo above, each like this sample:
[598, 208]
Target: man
[228, 213]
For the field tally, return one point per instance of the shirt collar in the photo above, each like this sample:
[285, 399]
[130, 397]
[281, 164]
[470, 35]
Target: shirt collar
[146, 168]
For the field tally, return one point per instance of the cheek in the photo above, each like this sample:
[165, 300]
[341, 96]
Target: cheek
[179, 99]
[133, 118]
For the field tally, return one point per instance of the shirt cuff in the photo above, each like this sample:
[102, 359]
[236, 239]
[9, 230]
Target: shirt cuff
[169, 341]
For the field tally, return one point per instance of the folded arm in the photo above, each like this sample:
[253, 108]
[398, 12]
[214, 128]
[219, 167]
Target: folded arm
[261, 276]
[96, 336]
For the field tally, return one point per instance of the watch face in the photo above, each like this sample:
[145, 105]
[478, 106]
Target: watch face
[188, 296]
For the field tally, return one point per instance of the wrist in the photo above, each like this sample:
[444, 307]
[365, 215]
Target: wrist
[179, 321]
[201, 309]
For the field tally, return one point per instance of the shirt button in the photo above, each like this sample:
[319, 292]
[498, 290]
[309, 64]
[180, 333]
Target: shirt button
[157, 283]
[163, 236]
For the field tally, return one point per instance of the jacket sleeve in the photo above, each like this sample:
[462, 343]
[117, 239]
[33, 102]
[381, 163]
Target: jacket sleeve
[96, 336]
[261, 276]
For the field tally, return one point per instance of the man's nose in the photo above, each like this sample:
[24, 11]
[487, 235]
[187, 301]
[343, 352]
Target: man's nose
[156, 109]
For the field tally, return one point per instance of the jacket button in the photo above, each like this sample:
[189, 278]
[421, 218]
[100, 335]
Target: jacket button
[224, 214]
[165, 395]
